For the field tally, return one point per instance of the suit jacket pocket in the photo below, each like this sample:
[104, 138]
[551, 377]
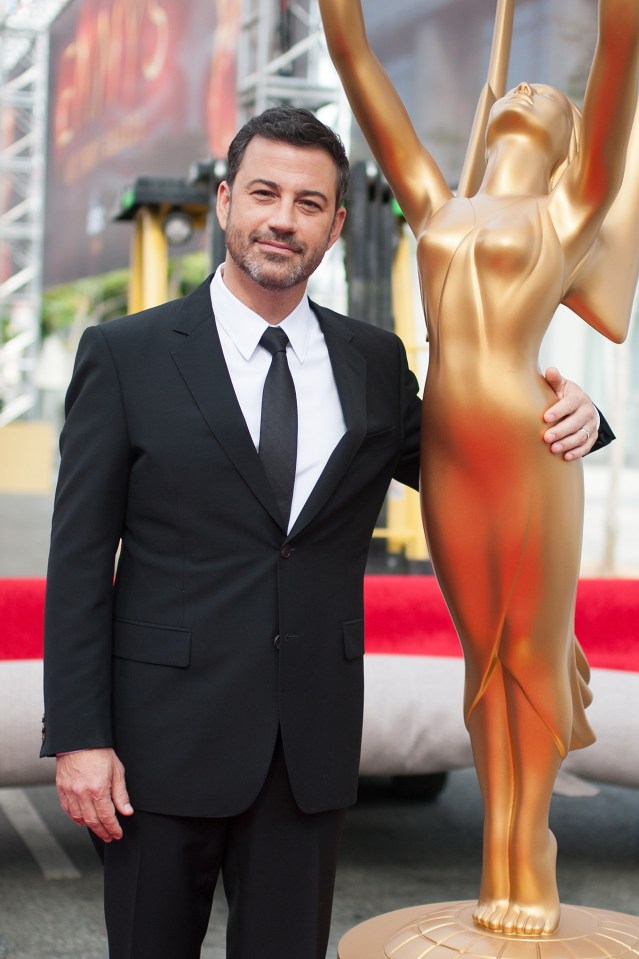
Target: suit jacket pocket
[377, 441]
[146, 643]
[353, 638]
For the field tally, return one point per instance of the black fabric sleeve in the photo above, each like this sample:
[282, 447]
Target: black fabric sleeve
[87, 522]
[605, 436]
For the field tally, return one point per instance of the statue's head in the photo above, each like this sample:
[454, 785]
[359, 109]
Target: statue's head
[543, 114]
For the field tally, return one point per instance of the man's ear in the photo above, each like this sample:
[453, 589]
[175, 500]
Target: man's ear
[336, 228]
[223, 203]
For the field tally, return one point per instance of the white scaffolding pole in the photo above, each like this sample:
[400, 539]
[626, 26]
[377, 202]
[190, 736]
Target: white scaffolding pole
[23, 97]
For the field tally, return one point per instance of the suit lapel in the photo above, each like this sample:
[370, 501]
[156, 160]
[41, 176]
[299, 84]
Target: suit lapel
[201, 363]
[349, 370]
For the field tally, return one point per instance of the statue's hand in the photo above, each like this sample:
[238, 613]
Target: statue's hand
[574, 418]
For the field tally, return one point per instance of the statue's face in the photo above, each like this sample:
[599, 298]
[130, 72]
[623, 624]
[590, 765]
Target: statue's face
[534, 110]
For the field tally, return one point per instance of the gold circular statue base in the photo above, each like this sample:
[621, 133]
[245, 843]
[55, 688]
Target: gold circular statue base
[446, 930]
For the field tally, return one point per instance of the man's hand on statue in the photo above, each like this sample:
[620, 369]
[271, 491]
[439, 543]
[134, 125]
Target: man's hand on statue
[92, 788]
[574, 419]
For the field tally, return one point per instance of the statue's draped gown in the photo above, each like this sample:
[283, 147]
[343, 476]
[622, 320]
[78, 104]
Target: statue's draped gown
[503, 515]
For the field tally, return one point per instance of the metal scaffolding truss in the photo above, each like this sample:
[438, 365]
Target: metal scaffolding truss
[282, 58]
[23, 91]
[23, 100]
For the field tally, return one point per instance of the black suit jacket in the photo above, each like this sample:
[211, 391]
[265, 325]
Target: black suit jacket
[221, 627]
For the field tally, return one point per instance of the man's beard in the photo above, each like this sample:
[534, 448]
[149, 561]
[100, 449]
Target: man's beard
[270, 270]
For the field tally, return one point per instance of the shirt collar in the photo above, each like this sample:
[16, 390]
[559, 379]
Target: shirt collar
[245, 327]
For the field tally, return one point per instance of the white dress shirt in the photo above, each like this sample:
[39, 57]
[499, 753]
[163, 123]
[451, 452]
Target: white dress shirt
[320, 424]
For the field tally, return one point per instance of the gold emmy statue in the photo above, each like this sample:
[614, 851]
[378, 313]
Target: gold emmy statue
[544, 215]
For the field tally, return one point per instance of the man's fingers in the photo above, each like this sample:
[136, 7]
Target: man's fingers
[72, 809]
[555, 380]
[575, 444]
[88, 783]
[119, 792]
[573, 418]
[95, 812]
[102, 822]
[569, 403]
[578, 451]
[106, 820]
[577, 429]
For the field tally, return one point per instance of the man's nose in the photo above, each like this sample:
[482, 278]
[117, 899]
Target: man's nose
[282, 216]
[524, 88]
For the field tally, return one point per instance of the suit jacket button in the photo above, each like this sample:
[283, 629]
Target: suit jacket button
[276, 642]
[287, 551]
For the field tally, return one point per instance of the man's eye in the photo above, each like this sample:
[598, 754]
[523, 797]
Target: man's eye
[310, 205]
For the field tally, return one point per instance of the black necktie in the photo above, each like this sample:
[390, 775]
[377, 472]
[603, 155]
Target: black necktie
[278, 427]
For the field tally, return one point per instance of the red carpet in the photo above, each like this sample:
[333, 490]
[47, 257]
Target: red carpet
[407, 615]
[404, 615]
[21, 618]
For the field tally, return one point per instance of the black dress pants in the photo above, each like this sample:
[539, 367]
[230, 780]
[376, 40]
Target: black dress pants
[278, 867]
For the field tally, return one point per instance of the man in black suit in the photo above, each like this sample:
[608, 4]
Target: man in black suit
[223, 668]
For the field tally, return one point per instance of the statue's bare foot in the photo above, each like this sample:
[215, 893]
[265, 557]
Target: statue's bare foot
[534, 903]
[490, 913]
[494, 898]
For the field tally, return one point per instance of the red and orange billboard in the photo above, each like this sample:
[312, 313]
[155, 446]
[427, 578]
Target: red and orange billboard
[136, 87]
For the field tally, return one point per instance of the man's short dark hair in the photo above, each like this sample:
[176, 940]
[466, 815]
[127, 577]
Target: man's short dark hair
[298, 127]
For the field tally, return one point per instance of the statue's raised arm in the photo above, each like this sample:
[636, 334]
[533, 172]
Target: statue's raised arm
[413, 175]
[602, 285]
[592, 233]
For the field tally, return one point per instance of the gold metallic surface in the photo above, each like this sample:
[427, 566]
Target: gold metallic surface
[149, 261]
[447, 931]
[494, 88]
[503, 516]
